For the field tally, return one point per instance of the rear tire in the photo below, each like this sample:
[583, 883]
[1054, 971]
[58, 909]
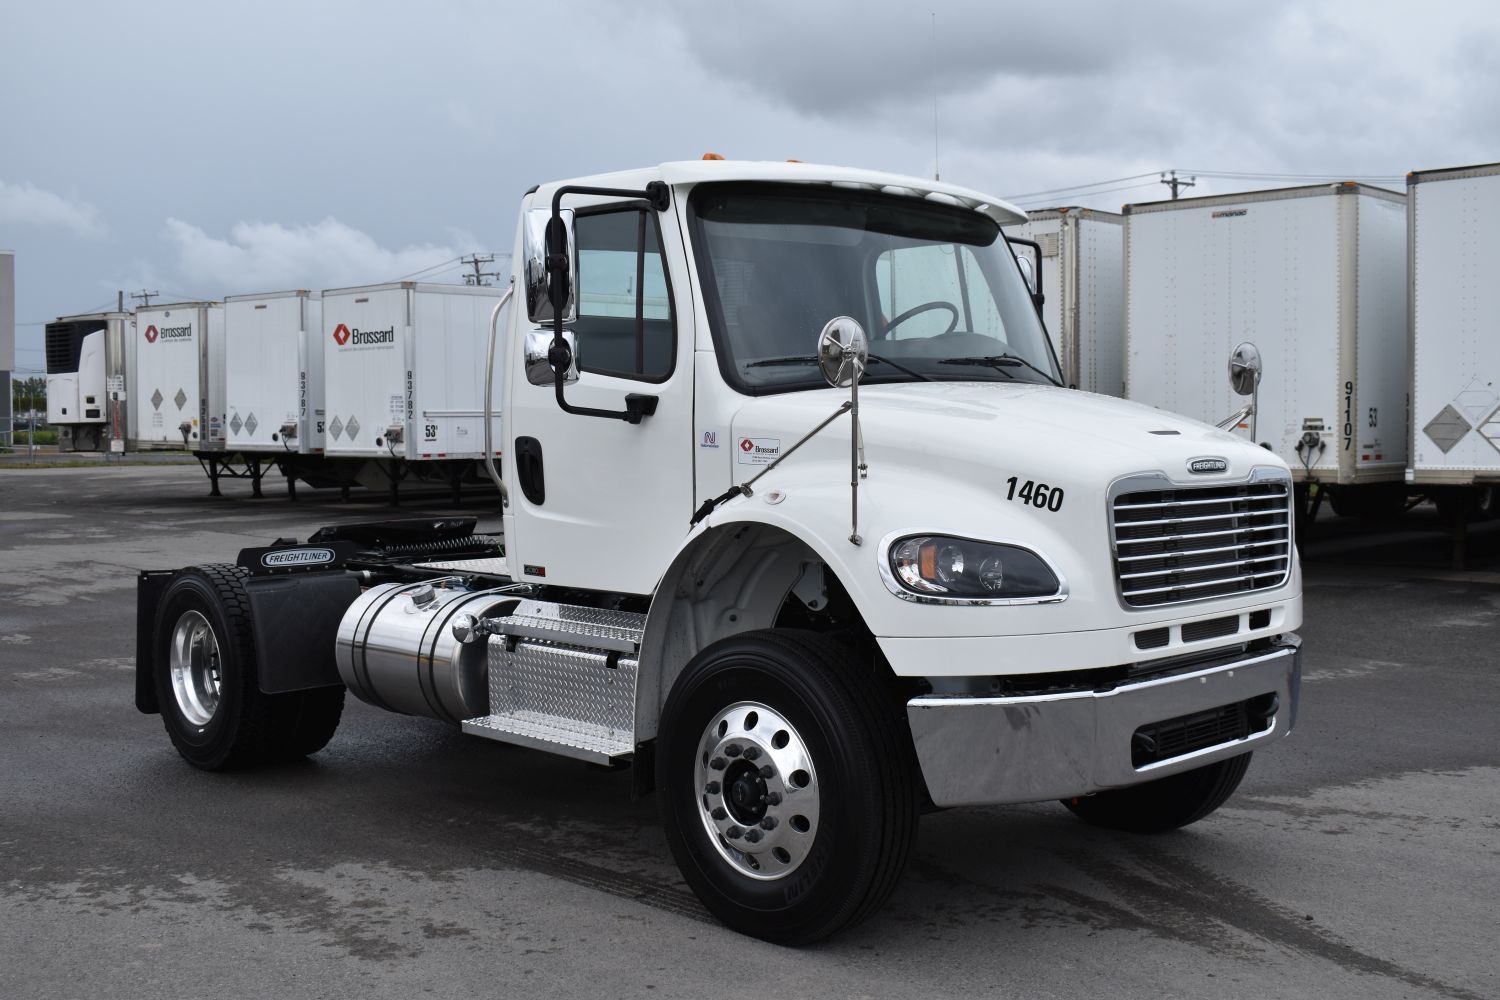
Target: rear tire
[1166, 803]
[206, 682]
[829, 754]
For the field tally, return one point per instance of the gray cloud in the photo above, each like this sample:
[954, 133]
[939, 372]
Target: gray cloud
[26, 204]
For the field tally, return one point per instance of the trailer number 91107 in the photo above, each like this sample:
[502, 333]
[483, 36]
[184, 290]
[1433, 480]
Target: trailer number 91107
[1038, 495]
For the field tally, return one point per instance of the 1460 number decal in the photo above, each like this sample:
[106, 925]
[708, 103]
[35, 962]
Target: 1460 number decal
[1039, 495]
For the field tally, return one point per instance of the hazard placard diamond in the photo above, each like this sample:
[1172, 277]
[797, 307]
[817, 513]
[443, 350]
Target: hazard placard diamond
[1447, 428]
[180, 399]
[352, 427]
[1490, 429]
[235, 423]
[251, 423]
[156, 398]
[335, 427]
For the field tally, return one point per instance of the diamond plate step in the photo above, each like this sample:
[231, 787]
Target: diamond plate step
[592, 628]
[562, 679]
[565, 737]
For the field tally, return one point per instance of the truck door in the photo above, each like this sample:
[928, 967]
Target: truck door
[596, 502]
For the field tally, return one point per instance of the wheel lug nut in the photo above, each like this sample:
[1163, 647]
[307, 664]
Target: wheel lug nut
[712, 788]
[752, 753]
[753, 836]
[718, 763]
[732, 750]
[719, 813]
[767, 771]
[774, 798]
[769, 823]
[734, 833]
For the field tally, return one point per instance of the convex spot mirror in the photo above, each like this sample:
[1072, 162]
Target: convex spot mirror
[842, 351]
[1244, 369]
[539, 367]
[550, 292]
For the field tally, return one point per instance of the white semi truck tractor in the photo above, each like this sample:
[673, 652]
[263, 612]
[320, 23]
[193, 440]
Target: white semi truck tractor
[801, 525]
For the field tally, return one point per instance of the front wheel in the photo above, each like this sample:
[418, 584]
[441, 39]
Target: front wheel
[1166, 803]
[788, 795]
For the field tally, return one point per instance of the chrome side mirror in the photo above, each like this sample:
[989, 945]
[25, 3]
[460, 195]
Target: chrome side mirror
[539, 370]
[1244, 369]
[843, 350]
[1027, 271]
[544, 289]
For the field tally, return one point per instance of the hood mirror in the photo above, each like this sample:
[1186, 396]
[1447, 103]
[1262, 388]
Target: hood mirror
[843, 350]
[550, 291]
[1244, 369]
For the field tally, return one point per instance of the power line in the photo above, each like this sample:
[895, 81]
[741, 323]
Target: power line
[1078, 187]
[1039, 202]
[434, 267]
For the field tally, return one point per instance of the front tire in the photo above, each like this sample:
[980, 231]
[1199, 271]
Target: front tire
[788, 788]
[206, 682]
[1166, 803]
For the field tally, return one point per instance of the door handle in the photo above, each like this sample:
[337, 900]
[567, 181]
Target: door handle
[529, 470]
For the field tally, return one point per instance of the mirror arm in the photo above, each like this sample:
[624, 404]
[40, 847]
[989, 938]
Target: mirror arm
[1037, 297]
[656, 197]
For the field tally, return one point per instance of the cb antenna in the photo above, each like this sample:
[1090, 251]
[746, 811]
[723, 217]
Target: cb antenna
[935, 174]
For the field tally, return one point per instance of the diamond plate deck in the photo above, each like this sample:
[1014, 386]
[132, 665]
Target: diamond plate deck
[489, 566]
[567, 623]
[577, 740]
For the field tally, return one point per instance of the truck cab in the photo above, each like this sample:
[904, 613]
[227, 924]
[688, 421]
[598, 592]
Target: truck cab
[802, 525]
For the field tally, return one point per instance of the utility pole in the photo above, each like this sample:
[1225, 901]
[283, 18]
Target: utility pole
[477, 262]
[936, 175]
[145, 297]
[1175, 182]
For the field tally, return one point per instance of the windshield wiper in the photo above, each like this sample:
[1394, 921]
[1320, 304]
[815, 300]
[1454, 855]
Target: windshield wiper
[1001, 361]
[808, 360]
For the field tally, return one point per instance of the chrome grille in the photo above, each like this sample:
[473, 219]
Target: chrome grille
[1176, 545]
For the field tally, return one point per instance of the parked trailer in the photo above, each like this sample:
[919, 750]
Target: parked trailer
[404, 386]
[1315, 277]
[273, 360]
[176, 357]
[1453, 224]
[806, 580]
[1083, 284]
[88, 397]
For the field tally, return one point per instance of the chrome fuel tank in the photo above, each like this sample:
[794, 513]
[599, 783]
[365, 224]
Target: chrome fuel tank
[396, 649]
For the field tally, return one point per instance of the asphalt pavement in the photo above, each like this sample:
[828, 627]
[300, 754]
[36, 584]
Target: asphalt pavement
[1360, 858]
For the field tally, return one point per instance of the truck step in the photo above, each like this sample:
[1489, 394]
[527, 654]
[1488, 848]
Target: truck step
[562, 679]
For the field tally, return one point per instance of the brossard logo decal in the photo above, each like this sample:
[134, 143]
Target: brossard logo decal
[1201, 465]
[297, 557]
[153, 334]
[343, 335]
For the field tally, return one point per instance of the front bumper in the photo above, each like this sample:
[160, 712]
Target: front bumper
[1029, 748]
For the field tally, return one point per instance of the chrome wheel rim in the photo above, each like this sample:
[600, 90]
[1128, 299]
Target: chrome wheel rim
[195, 668]
[757, 791]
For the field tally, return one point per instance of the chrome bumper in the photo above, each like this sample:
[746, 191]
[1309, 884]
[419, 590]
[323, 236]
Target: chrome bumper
[1029, 748]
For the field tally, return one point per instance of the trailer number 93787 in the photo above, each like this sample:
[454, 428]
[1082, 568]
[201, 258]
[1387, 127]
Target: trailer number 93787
[1038, 495]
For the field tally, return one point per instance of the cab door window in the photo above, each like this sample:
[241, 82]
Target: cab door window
[625, 322]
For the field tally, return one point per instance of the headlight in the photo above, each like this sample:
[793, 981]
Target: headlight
[945, 567]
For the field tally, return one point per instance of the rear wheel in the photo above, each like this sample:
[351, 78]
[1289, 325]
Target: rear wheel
[206, 684]
[1166, 803]
[788, 796]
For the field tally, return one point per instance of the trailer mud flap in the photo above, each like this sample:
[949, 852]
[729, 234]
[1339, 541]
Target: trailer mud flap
[296, 622]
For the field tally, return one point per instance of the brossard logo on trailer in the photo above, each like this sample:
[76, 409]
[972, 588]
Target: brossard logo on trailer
[153, 334]
[343, 335]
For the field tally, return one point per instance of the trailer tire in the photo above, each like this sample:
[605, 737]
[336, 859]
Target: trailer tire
[814, 700]
[206, 681]
[1164, 804]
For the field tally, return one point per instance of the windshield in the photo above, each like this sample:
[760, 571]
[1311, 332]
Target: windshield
[935, 287]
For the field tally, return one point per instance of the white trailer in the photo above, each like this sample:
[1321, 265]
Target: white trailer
[1454, 230]
[1083, 284]
[88, 399]
[1315, 277]
[176, 365]
[400, 371]
[273, 361]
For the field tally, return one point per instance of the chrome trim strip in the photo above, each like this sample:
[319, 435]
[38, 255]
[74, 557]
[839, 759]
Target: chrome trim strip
[888, 577]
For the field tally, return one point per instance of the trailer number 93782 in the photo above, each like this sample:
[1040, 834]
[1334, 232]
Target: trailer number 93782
[1038, 495]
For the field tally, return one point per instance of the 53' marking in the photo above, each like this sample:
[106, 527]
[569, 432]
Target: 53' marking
[1039, 495]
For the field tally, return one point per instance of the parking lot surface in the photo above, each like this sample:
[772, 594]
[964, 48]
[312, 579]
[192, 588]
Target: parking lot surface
[1361, 858]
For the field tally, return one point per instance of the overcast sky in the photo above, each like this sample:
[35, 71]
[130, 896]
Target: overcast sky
[202, 150]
